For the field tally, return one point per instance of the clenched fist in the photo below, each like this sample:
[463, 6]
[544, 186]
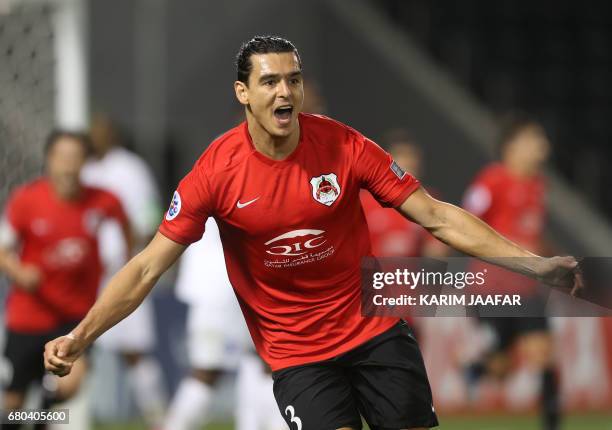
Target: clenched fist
[61, 353]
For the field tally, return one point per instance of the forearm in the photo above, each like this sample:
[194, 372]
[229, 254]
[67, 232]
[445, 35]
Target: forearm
[470, 235]
[9, 263]
[123, 294]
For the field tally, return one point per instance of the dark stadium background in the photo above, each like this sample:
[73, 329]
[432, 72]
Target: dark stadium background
[443, 70]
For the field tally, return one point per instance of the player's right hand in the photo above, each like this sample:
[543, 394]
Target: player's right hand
[61, 353]
[28, 277]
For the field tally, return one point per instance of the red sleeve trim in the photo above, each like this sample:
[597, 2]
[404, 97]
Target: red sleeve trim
[180, 239]
[401, 198]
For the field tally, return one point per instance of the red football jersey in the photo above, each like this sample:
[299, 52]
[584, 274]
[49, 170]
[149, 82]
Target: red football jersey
[293, 233]
[512, 205]
[515, 207]
[59, 238]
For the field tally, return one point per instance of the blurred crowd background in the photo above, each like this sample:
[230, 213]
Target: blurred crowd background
[553, 59]
[162, 71]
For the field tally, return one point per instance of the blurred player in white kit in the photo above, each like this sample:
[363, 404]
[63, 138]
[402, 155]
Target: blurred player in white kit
[218, 341]
[126, 175]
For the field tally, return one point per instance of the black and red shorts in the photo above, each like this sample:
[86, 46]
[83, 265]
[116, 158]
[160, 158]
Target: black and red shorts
[384, 381]
[24, 353]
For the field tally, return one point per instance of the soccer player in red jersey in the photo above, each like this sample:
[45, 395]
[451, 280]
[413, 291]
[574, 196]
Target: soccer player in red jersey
[48, 247]
[510, 196]
[284, 189]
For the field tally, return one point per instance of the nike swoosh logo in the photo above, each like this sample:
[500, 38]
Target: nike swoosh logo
[241, 205]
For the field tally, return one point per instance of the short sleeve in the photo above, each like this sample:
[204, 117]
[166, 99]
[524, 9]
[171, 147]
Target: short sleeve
[14, 220]
[189, 209]
[16, 211]
[381, 176]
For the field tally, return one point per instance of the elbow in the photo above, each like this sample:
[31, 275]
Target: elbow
[447, 223]
[438, 220]
[148, 274]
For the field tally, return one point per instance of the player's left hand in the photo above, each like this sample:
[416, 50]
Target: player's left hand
[562, 272]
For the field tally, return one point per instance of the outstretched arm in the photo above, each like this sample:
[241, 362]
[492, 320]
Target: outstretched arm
[468, 234]
[125, 291]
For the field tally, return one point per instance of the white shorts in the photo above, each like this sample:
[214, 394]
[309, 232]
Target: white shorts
[136, 333]
[256, 408]
[215, 337]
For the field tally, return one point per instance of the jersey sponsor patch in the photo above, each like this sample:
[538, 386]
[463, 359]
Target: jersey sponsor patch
[399, 172]
[325, 188]
[175, 206]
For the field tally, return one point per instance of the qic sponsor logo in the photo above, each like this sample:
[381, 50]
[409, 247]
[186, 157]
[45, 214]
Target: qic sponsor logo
[296, 247]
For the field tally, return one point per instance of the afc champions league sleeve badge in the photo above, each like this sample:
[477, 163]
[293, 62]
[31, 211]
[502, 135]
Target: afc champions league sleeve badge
[175, 207]
[325, 188]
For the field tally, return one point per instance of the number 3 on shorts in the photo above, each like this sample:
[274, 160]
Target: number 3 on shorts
[290, 411]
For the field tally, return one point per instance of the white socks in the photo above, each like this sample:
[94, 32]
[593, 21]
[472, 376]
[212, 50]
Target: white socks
[189, 405]
[146, 383]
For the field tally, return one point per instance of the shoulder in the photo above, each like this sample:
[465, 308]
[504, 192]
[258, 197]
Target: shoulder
[128, 161]
[491, 174]
[225, 151]
[124, 155]
[321, 126]
[30, 191]
[95, 196]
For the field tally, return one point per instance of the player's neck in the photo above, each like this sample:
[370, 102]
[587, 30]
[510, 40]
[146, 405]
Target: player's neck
[274, 147]
[521, 170]
[66, 193]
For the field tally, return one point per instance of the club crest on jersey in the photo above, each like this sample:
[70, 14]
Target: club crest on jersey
[175, 207]
[325, 188]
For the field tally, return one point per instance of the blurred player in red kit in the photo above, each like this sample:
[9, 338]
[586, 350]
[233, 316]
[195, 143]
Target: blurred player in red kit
[49, 249]
[391, 234]
[293, 251]
[123, 173]
[509, 195]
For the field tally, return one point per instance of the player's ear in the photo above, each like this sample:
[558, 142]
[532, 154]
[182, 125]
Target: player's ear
[242, 92]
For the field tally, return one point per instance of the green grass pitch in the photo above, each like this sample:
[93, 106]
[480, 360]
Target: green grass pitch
[573, 422]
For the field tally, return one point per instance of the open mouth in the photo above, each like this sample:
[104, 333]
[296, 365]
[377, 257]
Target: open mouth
[283, 114]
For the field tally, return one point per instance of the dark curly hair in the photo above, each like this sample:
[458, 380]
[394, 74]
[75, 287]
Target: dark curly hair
[55, 135]
[261, 45]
